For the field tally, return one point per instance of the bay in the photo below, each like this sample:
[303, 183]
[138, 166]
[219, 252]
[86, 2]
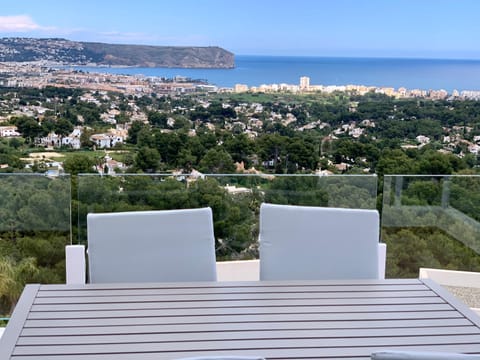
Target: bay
[252, 70]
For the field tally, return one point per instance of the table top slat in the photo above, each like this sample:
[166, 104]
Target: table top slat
[175, 293]
[232, 311]
[384, 325]
[234, 286]
[246, 318]
[232, 345]
[75, 305]
[159, 298]
[357, 353]
[152, 337]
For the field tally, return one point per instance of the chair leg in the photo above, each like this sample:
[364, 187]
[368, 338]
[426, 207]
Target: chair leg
[382, 258]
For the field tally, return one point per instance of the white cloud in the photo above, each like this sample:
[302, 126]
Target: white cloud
[10, 24]
[19, 23]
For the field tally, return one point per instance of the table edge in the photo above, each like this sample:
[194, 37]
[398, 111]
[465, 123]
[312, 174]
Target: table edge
[17, 320]
[452, 300]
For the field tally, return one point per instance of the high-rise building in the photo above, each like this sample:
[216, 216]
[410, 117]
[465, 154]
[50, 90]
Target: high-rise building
[240, 88]
[304, 83]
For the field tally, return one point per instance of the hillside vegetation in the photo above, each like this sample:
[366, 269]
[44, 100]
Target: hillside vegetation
[82, 53]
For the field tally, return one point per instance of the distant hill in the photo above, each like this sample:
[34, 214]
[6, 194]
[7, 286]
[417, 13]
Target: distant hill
[83, 53]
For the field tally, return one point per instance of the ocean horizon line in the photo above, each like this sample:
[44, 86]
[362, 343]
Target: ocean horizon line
[361, 57]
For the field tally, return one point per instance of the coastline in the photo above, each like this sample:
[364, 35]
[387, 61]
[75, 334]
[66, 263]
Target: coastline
[264, 74]
[251, 70]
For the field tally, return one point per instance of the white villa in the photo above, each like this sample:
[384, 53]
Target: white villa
[8, 131]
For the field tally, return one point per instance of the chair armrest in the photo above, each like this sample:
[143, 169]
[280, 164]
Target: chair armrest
[75, 264]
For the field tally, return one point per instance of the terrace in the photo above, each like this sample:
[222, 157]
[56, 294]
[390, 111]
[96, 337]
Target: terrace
[430, 223]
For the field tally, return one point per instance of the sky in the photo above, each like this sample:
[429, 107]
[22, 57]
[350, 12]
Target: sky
[347, 28]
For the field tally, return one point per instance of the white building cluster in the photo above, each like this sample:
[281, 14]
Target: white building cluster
[402, 92]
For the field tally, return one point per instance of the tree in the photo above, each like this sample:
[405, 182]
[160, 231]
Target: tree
[181, 122]
[194, 145]
[14, 143]
[78, 164]
[63, 127]
[395, 162]
[48, 125]
[302, 155]
[145, 137]
[85, 137]
[28, 127]
[147, 159]
[186, 160]
[169, 146]
[433, 162]
[158, 119]
[297, 191]
[122, 118]
[89, 111]
[219, 113]
[217, 161]
[271, 147]
[133, 131]
[300, 115]
[240, 147]
[207, 138]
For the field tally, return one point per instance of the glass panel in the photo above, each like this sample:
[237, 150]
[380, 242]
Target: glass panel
[35, 227]
[234, 199]
[431, 221]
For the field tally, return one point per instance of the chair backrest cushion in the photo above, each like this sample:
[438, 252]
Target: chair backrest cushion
[151, 246]
[311, 243]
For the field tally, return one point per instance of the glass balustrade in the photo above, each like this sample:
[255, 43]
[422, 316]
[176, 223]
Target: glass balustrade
[431, 221]
[427, 221]
[234, 199]
[35, 227]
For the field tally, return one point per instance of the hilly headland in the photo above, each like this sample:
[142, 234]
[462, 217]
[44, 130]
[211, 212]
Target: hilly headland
[101, 54]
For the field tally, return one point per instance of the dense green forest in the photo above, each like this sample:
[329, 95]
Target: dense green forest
[426, 221]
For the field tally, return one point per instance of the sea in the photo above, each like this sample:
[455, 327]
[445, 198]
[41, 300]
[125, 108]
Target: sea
[425, 74]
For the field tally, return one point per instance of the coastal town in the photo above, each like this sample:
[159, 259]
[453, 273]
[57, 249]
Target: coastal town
[120, 101]
[44, 73]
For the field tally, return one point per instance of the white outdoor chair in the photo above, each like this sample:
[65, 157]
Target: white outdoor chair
[420, 355]
[151, 246]
[311, 243]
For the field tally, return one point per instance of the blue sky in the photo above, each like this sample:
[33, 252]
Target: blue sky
[370, 28]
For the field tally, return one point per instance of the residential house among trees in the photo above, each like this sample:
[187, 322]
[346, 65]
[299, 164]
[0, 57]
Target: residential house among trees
[8, 131]
[110, 139]
[54, 140]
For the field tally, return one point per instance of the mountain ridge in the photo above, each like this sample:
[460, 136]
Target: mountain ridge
[68, 52]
